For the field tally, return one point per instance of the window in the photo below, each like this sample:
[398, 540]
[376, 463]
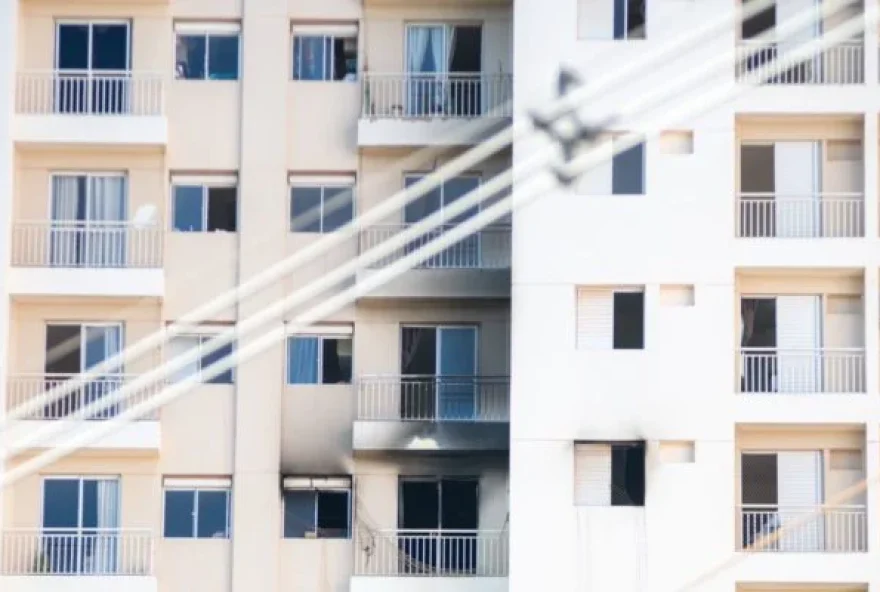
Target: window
[319, 360]
[325, 52]
[677, 142]
[182, 344]
[609, 474]
[628, 170]
[321, 204]
[317, 508]
[204, 205]
[197, 508]
[610, 318]
[207, 52]
[611, 19]
[619, 172]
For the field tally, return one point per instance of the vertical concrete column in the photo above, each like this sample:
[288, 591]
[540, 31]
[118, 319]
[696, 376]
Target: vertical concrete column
[872, 329]
[872, 44]
[8, 42]
[262, 238]
[872, 180]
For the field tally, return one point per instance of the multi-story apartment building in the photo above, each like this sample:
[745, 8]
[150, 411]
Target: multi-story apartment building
[154, 155]
[695, 325]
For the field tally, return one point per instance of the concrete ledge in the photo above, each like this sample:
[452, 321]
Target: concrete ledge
[54, 281]
[425, 436]
[91, 129]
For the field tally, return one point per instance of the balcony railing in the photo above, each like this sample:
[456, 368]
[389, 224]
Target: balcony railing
[434, 398]
[440, 96]
[437, 553]
[489, 248]
[77, 552]
[807, 371]
[826, 215]
[26, 388]
[86, 245]
[841, 529]
[89, 92]
[840, 64]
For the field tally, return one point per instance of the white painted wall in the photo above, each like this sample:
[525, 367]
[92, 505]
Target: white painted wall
[680, 387]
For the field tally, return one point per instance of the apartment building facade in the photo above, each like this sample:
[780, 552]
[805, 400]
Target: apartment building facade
[155, 155]
[695, 406]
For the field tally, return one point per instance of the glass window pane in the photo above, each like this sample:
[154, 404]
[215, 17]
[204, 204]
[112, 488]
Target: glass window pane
[188, 204]
[191, 57]
[73, 47]
[222, 209]
[215, 356]
[456, 188]
[110, 47]
[336, 361]
[333, 514]
[423, 206]
[305, 209]
[628, 171]
[302, 360]
[308, 58]
[179, 346]
[179, 513]
[299, 513]
[338, 207]
[213, 514]
[61, 503]
[223, 57]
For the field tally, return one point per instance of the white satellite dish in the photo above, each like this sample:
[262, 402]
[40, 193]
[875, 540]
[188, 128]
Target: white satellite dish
[145, 216]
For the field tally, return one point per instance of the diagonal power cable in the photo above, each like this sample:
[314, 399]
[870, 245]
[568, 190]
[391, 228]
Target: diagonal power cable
[383, 210]
[533, 188]
[275, 311]
[252, 286]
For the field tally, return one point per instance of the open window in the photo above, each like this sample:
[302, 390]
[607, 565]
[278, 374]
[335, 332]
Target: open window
[611, 318]
[325, 52]
[204, 204]
[609, 474]
[317, 508]
[207, 51]
[320, 359]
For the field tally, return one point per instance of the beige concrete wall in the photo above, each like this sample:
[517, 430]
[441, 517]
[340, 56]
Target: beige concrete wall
[807, 127]
[837, 282]
[186, 565]
[316, 429]
[144, 170]
[204, 125]
[151, 33]
[378, 326]
[385, 33]
[198, 432]
[28, 328]
[323, 565]
[322, 126]
[198, 267]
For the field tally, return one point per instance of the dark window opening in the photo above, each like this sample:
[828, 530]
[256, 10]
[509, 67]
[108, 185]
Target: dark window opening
[317, 513]
[222, 209]
[629, 320]
[760, 496]
[628, 171]
[628, 474]
[758, 340]
[629, 19]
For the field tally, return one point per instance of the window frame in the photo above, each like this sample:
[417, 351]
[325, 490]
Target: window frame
[299, 32]
[626, 33]
[207, 30]
[202, 338]
[196, 489]
[205, 186]
[610, 446]
[315, 490]
[643, 165]
[321, 337]
[344, 183]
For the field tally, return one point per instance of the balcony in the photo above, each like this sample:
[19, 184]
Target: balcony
[437, 560]
[787, 529]
[138, 435]
[476, 267]
[825, 215]
[86, 258]
[802, 372]
[449, 413]
[842, 64]
[69, 560]
[450, 109]
[90, 107]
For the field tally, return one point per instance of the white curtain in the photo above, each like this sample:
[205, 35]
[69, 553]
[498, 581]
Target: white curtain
[417, 48]
[106, 240]
[450, 45]
[104, 556]
[64, 235]
[177, 347]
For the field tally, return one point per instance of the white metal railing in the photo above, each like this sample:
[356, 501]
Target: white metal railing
[437, 553]
[24, 388]
[826, 215]
[827, 370]
[86, 244]
[89, 92]
[839, 64]
[839, 529]
[489, 248]
[434, 398]
[450, 95]
[77, 552]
